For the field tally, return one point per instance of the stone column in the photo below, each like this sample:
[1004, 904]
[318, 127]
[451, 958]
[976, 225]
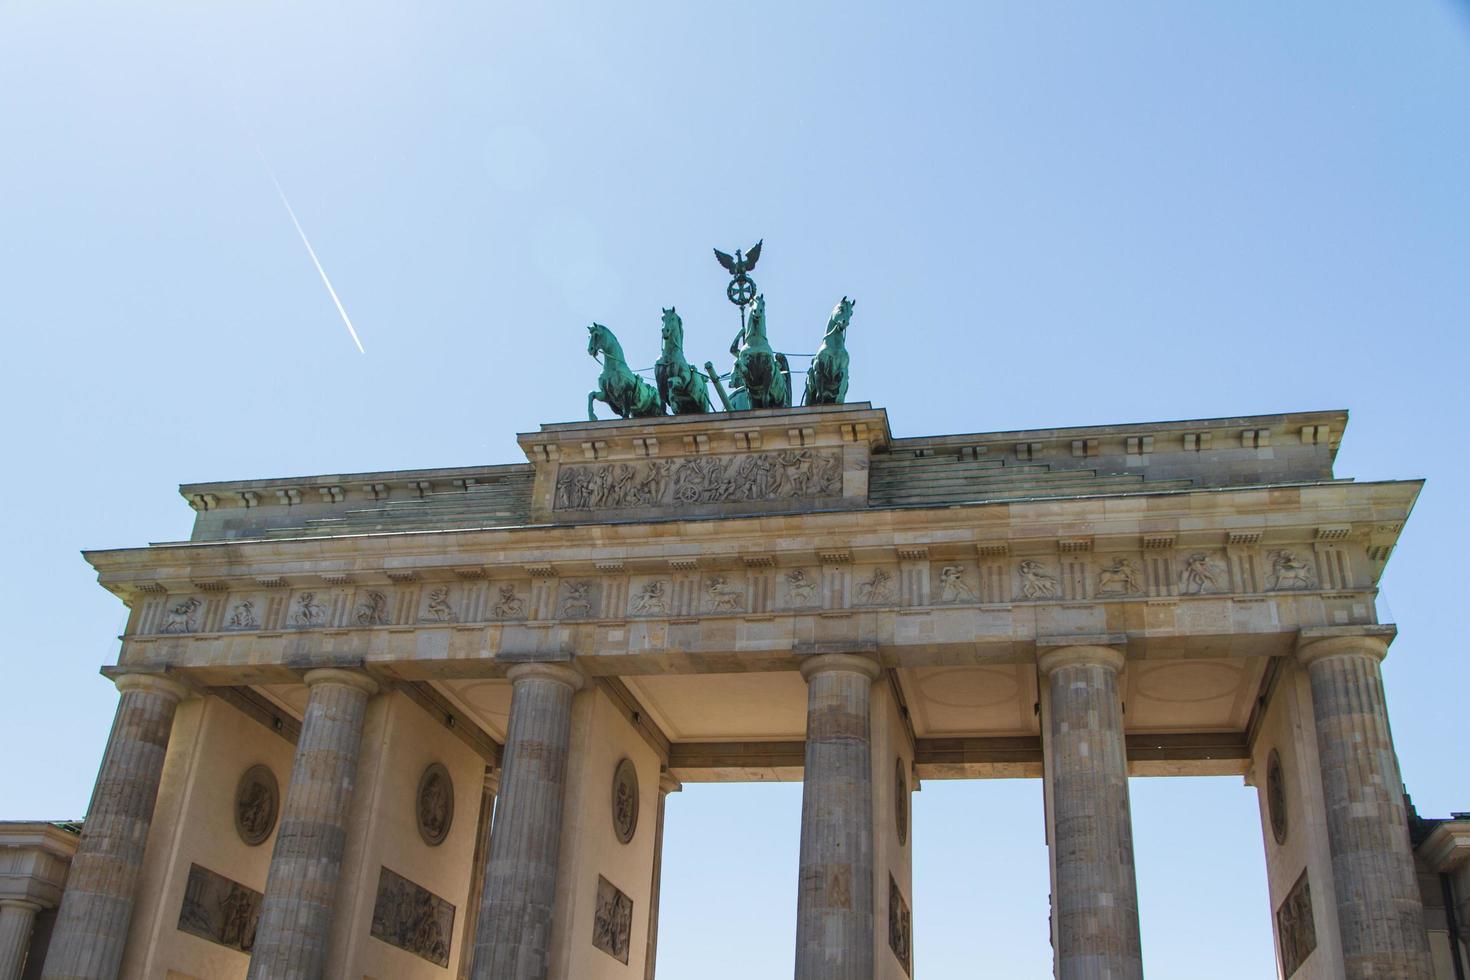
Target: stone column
[301, 889]
[1379, 909]
[17, 917]
[97, 906]
[513, 937]
[834, 913]
[1095, 895]
[666, 784]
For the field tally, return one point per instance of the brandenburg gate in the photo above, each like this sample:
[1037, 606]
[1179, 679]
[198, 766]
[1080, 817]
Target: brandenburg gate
[424, 724]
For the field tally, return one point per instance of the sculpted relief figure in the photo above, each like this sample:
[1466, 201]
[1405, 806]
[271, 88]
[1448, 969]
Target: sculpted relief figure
[800, 590]
[180, 617]
[791, 474]
[1290, 572]
[1119, 578]
[309, 612]
[1036, 581]
[372, 610]
[509, 605]
[650, 599]
[1199, 575]
[439, 609]
[243, 617]
[578, 601]
[952, 585]
[877, 589]
[724, 597]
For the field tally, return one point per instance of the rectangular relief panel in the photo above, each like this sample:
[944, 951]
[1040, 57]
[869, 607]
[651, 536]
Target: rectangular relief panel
[219, 909]
[412, 918]
[612, 925]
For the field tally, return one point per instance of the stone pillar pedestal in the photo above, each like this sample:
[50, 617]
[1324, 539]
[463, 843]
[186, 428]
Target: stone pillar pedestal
[92, 924]
[834, 915]
[301, 889]
[1095, 896]
[512, 939]
[17, 917]
[1379, 909]
[666, 784]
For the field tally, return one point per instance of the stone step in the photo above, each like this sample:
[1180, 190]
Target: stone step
[1079, 489]
[1000, 478]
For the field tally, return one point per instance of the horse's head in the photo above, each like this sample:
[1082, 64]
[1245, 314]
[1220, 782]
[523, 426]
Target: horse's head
[840, 318]
[755, 326]
[673, 331]
[594, 338]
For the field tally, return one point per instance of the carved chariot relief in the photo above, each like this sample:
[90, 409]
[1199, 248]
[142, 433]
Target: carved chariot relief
[1295, 930]
[1122, 577]
[1036, 581]
[412, 918]
[372, 610]
[801, 588]
[438, 606]
[625, 801]
[257, 801]
[954, 585]
[651, 599]
[1200, 575]
[219, 909]
[770, 476]
[1289, 572]
[434, 804]
[509, 604]
[182, 616]
[612, 921]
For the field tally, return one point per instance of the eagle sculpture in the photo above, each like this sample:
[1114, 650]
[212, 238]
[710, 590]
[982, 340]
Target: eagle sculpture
[741, 262]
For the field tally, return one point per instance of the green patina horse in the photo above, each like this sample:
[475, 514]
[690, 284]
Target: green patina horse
[761, 377]
[681, 388]
[618, 387]
[826, 381]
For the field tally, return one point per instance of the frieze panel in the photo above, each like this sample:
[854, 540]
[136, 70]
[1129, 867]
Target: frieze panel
[412, 918]
[612, 923]
[770, 476]
[724, 594]
[510, 600]
[440, 603]
[1295, 930]
[1201, 573]
[801, 588]
[219, 909]
[900, 927]
[181, 615]
[650, 597]
[958, 584]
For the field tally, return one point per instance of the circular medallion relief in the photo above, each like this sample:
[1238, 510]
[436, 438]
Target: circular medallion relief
[1276, 797]
[257, 799]
[435, 804]
[901, 802]
[625, 801]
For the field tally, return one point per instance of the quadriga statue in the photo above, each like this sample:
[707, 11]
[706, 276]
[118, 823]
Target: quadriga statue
[826, 380]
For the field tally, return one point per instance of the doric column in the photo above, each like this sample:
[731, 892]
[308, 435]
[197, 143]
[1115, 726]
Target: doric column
[1095, 895]
[513, 936]
[301, 889]
[17, 917]
[92, 924]
[1379, 910]
[666, 784]
[834, 909]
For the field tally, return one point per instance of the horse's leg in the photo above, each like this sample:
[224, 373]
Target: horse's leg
[591, 397]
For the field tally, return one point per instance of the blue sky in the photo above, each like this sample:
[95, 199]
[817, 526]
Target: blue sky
[1048, 213]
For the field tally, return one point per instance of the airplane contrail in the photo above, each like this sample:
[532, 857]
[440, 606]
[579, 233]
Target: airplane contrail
[310, 251]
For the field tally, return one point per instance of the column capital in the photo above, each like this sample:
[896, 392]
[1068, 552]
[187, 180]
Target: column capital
[21, 904]
[561, 672]
[341, 675]
[1051, 658]
[852, 663]
[668, 783]
[151, 683]
[1321, 642]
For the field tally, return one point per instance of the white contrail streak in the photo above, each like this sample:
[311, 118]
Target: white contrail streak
[311, 251]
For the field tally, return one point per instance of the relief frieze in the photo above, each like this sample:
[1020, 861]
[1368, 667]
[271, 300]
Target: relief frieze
[770, 476]
[220, 910]
[412, 918]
